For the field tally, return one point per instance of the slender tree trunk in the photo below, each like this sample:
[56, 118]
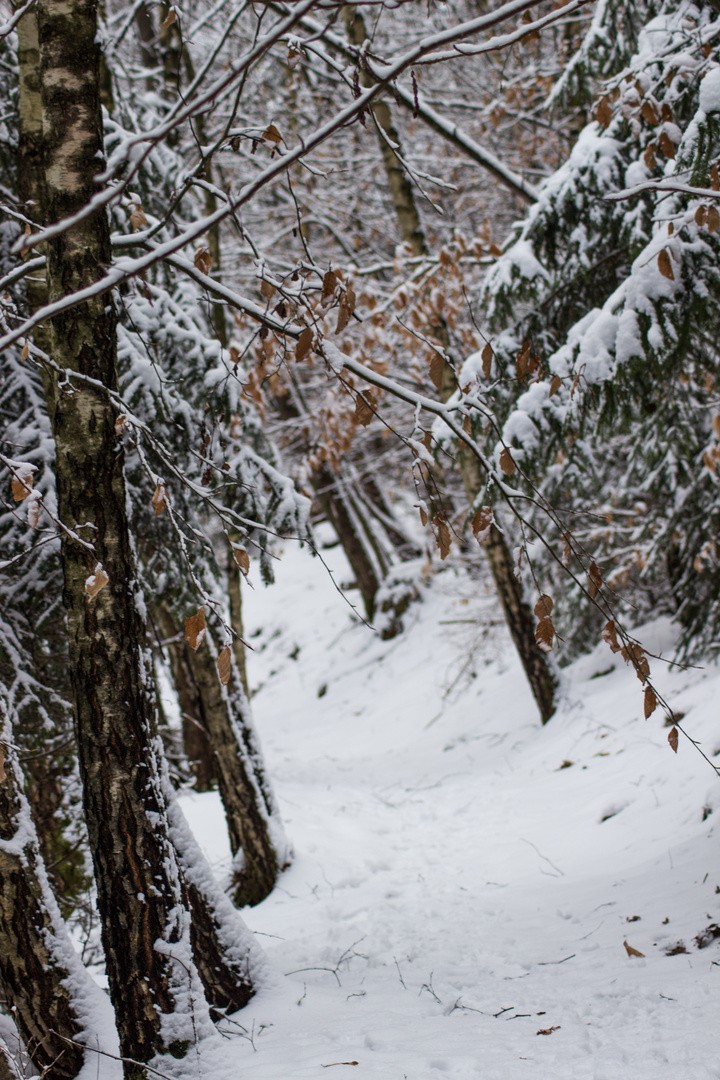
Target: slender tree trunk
[252, 819]
[7, 1064]
[236, 619]
[142, 897]
[519, 617]
[35, 956]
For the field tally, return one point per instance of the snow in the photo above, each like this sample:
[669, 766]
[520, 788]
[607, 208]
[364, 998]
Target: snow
[455, 889]
[710, 92]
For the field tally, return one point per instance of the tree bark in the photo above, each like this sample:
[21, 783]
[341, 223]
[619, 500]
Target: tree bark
[33, 970]
[518, 616]
[142, 897]
[246, 797]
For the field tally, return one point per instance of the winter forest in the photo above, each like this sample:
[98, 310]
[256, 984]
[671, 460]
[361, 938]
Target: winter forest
[359, 539]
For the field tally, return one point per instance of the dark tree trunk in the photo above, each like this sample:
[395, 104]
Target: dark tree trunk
[142, 897]
[33, 959]
[246, 798]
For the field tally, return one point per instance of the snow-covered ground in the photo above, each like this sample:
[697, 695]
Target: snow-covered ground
[464, 879]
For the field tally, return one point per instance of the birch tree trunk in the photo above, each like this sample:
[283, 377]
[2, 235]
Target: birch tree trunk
[142, 896]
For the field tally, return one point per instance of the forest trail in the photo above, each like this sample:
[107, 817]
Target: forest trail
[458, 906]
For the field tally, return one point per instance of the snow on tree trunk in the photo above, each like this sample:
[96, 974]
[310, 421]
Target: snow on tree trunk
[43, 981]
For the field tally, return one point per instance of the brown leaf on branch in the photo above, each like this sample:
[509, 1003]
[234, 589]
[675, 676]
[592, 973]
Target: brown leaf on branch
[203, 260]
[545, 633]
[482, 523]
[555, 385]
[649, 157]
[437, 368]
[609, 636]
[137, 217]
[604, 111]
[169, 19]
[649, 701]
[195, 627]
[713, 219]
[224, 664]
[272, 135]
[632, 952]
[25, 352]
[120, 424]
[328, 286]
[543, 607]
[673, 739]
[701, 215]
[21, 485]
[522, 362]
[506, 462]
[159, 499]
[304, 344]
[442, 534]
[242, 559]
[96, 581]
[595, 580]
[487, 359]
[364, 408]
[665, 265]
[345, 310]
[666, 145]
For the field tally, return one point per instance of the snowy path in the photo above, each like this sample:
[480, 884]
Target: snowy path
[455, 890]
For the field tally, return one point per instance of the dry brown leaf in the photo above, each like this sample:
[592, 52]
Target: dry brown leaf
[649, 701]
[673, 739]
[364, 410]
[329, 285]
[467, 425]
[423, 517]
[120, 424]
[224, 664]
[716, 424]
[137, 217]
[242, 558]
[543, 606]
[271, 134]
[548, 1031]
[202, 260]
[701, 215]
[650, 114]
[21, 485]
[345, 310]
[443, 536]
[609, 636]
[482, 523]
[267, 289]
[304, 344]
[169, 19]
[666, 145]
[632, 952]
[555, 385]
[567, 550]
[159, 499]
[487, 359]
[544, 633]
[96, 581]
[715, 178]
[665, 265]
[195, 627]
[604, 111]
[25, 352]
[522, 362]
[437, 368]
[495, 250]
[506, 462]
[649, 157]
[595, 580]
[713, 219]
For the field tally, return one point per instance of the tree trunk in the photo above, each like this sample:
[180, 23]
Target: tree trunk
[142, 898]
[520, 620]
[7, 1064]
[34, 954]
[236, 619]
[249, 806]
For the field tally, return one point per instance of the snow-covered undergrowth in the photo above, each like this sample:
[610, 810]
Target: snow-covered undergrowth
[465, 880]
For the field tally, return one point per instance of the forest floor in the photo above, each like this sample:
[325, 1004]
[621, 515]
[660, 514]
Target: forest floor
[464, 879]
